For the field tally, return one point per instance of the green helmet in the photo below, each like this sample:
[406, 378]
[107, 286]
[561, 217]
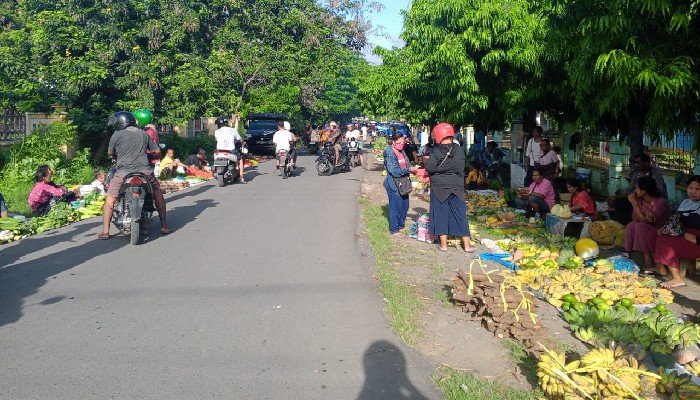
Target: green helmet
[143, 116]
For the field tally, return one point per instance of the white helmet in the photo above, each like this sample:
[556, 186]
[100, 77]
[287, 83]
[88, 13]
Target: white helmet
[287, 125]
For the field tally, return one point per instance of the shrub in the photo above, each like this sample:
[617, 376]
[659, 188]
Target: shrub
[183, 147]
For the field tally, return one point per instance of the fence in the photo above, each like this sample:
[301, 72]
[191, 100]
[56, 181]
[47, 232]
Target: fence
[674, 154]
[594, 150]
[13, 126]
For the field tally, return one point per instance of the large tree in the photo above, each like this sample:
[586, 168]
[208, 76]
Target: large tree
[632, 66]
[182, 58]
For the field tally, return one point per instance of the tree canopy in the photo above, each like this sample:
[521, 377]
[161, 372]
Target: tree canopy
[617, 65]
[181, 58]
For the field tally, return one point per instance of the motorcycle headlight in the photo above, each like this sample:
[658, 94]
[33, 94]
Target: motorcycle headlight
[244, 151]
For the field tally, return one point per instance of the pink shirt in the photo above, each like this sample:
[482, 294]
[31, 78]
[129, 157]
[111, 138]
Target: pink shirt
[545, 187]
[42, 192]
[549, 158]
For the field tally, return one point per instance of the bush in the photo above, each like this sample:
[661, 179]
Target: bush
[47, 145]
[183, 147]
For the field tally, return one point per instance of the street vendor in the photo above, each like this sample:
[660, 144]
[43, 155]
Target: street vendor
[619, 207]
[197, 164]
[169, 164]
[538, 197]
[475, 178]
[45, 193]
[581, 200]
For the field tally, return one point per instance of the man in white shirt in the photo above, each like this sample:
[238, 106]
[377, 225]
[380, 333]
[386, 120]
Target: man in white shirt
[424, 140]
[283, 140]
[226, 139]
[364, 130]
[353, 133]
[532, 153]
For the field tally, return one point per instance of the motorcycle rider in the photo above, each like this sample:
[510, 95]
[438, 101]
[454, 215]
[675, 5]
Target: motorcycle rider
[293, 145]
[283, 140]
[334, 138]
[354, 133]
[226, 139]
[128, 145]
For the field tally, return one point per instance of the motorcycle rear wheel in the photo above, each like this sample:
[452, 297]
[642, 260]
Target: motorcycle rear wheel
[220, 180]
[135, 232]
[324, 168]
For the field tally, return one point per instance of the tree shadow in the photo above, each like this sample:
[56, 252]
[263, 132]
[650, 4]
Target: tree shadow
[19, 281]
[385, 374]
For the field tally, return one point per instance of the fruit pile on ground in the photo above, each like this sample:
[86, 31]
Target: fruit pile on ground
[602, 373]
[498, 302]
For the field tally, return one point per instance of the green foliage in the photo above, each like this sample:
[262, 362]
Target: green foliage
[183, 147]
[48, 144]
[458, 385]
[180, 58]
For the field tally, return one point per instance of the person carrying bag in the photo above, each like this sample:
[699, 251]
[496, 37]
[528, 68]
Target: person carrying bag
[397, 182]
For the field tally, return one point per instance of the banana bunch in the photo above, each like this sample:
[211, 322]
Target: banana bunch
[623, 377]
[685, 334]
[662, 295]
[551, 369]
[693, 367]
[687, 391]
[586, 335]
[671, 382]
[643, 295]
[643, 335]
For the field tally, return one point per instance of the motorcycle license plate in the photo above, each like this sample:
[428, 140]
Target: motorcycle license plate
[220, 163]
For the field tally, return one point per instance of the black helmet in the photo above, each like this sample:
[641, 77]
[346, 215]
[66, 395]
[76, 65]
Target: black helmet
[121, 120]
[221, 121]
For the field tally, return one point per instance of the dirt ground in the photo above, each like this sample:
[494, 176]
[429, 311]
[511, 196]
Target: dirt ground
[449, 337]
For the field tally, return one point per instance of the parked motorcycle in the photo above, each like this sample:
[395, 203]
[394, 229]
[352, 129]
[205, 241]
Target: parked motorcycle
[325, 163]
[134, 207]
[226, 170]
[285, 159]
[354, 152]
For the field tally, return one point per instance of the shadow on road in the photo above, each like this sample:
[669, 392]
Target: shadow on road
[19, 281]
[385, 374]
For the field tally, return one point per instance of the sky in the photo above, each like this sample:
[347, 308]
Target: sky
[391, 21]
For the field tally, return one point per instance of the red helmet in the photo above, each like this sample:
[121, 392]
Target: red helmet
[443, 130]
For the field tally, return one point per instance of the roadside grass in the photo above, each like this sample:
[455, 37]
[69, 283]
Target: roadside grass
[518, 354]
[444, 296]
[402, 301]
[459, 385]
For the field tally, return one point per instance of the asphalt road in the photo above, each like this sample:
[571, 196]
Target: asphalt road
[260, 293]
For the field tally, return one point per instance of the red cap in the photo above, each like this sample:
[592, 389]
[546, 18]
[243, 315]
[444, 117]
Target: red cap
[443, 130]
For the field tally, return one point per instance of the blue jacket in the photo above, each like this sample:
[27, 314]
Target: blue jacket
[391, 163]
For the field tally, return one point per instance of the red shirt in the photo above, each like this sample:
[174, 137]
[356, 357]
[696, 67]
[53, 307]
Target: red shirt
[584, 199]
[152, 158]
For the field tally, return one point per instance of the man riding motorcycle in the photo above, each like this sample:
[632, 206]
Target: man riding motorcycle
[334, 138]
[128, 146]
[353, 133]
[283, 140]
[226, 139]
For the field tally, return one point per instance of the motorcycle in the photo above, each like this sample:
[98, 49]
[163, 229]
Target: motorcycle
[134, 207]
[325, 163]
[354, 152]
[285, 159]
[226, 170]
[314, 139]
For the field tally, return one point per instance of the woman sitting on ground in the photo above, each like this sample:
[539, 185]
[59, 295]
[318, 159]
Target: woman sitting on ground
[650, 212]
[475, 179]
[670, 249]
[581, 200]
[45, 194]
[538, 198]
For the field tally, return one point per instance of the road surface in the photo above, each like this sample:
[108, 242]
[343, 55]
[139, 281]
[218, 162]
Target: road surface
[260, 293]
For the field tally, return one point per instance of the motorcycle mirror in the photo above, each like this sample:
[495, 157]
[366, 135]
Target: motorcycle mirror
[161, 145]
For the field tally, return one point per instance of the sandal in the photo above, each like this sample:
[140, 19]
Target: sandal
[102, 236]
[473, 249]
[165, 232]
[669, 285]
[441, 249]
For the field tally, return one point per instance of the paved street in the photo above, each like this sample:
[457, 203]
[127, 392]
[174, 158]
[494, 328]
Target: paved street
[260, 293]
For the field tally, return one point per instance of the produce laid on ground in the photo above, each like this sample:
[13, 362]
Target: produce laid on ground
[499, 303]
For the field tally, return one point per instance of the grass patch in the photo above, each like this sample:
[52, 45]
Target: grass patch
[444, 297]
[458, 385]
[518, 354]
[402, 301]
